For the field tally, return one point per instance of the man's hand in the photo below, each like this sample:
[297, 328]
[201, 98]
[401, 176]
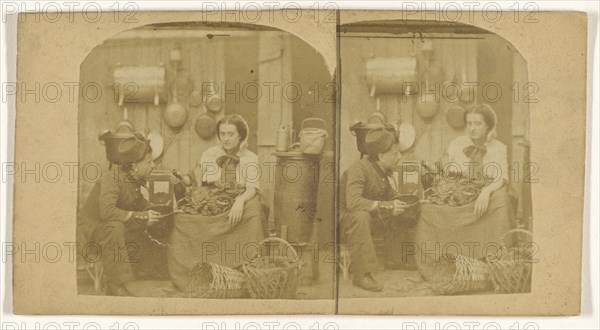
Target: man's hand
[173, 179]
[235, 214]
[399, 207]
[153, 218]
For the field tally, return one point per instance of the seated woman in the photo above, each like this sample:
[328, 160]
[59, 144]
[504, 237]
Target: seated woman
[477, 156]
[231, 163]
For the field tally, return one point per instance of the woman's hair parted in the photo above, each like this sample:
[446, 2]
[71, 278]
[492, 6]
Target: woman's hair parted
[235, 120]
[486, 111]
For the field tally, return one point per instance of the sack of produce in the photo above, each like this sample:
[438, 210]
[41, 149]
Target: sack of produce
[198, 238]
[444, 229]
[210, 200]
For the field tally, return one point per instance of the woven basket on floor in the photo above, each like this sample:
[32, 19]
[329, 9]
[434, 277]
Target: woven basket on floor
[210, 280]
[459, 274]
[510, 272]
[273, 277]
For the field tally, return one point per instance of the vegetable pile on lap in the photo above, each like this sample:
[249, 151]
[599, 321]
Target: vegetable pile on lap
[455, 191]
[211, 200]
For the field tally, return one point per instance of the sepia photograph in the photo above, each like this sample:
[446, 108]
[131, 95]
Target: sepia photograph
[216, 151]
[435, 188]
[283, 161]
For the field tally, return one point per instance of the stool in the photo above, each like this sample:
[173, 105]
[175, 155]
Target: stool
[95, 270]
[344, 261]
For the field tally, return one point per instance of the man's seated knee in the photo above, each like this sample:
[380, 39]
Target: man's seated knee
[360, 217]
[111, 229]
[116, 226]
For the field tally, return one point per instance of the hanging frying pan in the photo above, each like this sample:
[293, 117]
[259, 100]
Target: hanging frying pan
[466, 96]
[156, 141]
[453, 88]
[175, 113]
[205, 126]
[426, 103]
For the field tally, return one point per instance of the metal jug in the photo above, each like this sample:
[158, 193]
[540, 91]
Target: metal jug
[284, 138]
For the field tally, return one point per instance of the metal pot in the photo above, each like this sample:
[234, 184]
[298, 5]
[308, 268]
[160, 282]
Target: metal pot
[413, 210]
[360, 130]
[160, 232]
[111, 140]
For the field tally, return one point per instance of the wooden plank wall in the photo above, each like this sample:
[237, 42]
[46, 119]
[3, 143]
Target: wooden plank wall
[255, 58]
[203, 61]
[485, 60]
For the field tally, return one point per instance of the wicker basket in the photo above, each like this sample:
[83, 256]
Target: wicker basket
[510, 272]
[459, 274]
[210, 280]
[273, 277]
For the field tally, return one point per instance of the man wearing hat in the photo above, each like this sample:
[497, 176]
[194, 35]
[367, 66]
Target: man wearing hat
[366, 195]
[114, 210]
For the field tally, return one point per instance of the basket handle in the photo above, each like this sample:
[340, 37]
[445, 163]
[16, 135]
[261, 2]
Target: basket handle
[316, 120]
[379, 116]
[353, 127]
[513, 231]
[102, 136]
[313, 130]
[281, 241]
[516, 230]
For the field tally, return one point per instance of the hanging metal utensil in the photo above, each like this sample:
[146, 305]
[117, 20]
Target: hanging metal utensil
[466, 95]
[156, 141]
[195, 99]
[214, 104]
[175, 113]
[455, 116]
[427, 103]
[205, 126]
[406, 136]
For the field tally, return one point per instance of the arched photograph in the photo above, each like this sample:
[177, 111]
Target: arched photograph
[209, 165]
[435, 188]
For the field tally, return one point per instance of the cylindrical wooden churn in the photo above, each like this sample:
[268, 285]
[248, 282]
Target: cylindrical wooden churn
[296, 183]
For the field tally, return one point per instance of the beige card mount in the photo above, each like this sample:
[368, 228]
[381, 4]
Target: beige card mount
[258, 194]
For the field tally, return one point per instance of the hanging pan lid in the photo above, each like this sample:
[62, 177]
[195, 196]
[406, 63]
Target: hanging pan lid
[156, 143]
[406, 136]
